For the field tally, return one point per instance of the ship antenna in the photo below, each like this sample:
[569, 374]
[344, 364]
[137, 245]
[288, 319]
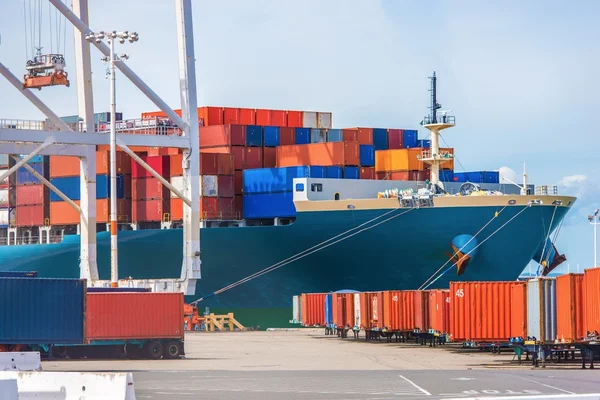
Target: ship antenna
[433, 155]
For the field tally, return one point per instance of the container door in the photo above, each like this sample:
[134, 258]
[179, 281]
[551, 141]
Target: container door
[357, 309]
[295, 309]
[533, 309]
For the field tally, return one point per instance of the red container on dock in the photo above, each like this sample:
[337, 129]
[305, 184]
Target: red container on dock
[367, 173]
[32, 195]
[294, 120]
[399, 310]
[226, 185]
[222, 135]
[161, 164]
[253, 158]
[422, 309]
[32, 215]
[150, 210]
[287, 136]
[148, 189]
[569, 307]
[518, 311]
[114, 316]
[481, 311]
[325, 154]
[269, 157]
[371, 310]
[395, 139]
[439, 310]
[342, 307]
[313, 309]
[591, 301]
[226, 164]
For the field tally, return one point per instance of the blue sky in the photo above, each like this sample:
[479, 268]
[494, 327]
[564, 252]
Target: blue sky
[519, 76]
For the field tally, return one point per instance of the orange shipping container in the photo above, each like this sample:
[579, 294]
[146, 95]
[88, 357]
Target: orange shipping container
[569, 307]
[61, 213]
[399, 310]
[247, 116]
[591, 302]
[206, 115]
[64, 166]
[398, 160]
[325, 154]
[342, 307]
[163, 151]
[518, 311]
[278, 118]
[313, 309]
[439, 310]
[231, 115]
[371, 310]
[422, 309]
[113, 316]
[481, 311]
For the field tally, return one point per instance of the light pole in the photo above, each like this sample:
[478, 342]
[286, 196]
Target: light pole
[111, 37]
[595, 220]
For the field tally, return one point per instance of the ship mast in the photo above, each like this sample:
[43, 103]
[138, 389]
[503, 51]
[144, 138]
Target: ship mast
[435, 124]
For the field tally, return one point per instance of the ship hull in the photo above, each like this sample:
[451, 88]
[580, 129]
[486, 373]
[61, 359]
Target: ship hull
[401, 252]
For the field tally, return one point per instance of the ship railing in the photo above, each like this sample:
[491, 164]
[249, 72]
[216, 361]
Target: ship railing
[442, 154]
[23, 240]
[439, 119]
[22, 124]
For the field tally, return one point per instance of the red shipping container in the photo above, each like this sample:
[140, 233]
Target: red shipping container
[32, 194]
[148, 189]
[439, 310]
[247, 117]
[569, 307]
[114, 316]
[294, 120]
[150, 210]
[367, 173]
[278, 118]
[222, 135]
[342, 307]
[176, 209]
[209, 208]
[36, 215]
[365, 135]
[238, 182]
[395, 139]
[269, 157]
[227, 208]
[422, 309]
[226, 164]
[64, 166]
[263, 117]
[253, 158]
[209, 163]
[210, 116]
[481, 311]
[239, 154]
[371, 310]
[287, 136]
[176, 167]
[591, 300]
[231, 115]
[350, 135]
[325, 154]
[163, 151]
[313, 309]
[399, 310]
[161, 164]
[226, 185]
[238, 205]
[518, 312]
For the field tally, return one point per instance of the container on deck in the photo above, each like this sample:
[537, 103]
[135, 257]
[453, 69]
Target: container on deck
[273, 180]
[294, 119]
[367, 173]
[287, 136]
[27, 195]
[239, 154]
[351, 173]
[569, 308]
[398, 160]
[326, 154]
[302, 136]
[222, 135]
[147, 189]
[271, 136]
[541, 309]
[313, 310]
[32, 215]
[410, 139]
[318, 135]
[160, 164]
[395, 139]
[367, 155]
[42, 311]
[150, 210]
[269, 205]
[225, 164]
[333, 172]
[114, 316]
[254, 136]
[71, 187]
[269, 157]
[335, 135]
[61, 212]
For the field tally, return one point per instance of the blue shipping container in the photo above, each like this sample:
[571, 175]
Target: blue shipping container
[492, 177]
[318, 135]
[271, 135]
[460, 177]
[351, 173]
[18, 274]
[380, 139]
[302, 135]
[254, 136]
[274, 180]
[269, 205]
[424, 143]
[71, 187]
[333, 172]
[42, 311]
[25, 177]
[367, 155]
[328, 309]
[335, 135]
[410, 139]
[446, 175]
[35, 159]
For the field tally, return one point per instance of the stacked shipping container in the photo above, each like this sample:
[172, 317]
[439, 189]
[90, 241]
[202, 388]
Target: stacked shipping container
[4, 194]
[150, 198]
[32, 197]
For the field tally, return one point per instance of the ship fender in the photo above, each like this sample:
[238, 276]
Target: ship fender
[464, 250]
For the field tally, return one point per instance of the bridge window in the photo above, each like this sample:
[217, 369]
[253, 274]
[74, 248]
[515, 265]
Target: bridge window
[299, 187]
[316, 187]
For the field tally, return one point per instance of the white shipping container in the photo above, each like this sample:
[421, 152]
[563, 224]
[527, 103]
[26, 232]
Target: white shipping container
[309, 119]
[324, 120]
[209, 186]
[177, 181]
[3, 197]
[357, 309]
[4, 217]
[541, 309]
[296, 315]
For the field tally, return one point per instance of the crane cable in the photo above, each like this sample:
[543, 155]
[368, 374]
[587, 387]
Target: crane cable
[485, 240]
[318, 247]
[496, 214]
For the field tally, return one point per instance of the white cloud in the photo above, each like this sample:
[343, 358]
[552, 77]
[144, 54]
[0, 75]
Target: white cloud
[506, 172]
[572, 180]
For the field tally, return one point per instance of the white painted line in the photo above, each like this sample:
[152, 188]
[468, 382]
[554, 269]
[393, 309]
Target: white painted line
[425, 392]
[543, 384]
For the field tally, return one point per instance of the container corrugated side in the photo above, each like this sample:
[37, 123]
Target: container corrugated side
[42, 311]
[371, 310]
[541, 309]
[114, 316]
[296, 309]
[439, 310]
[569, 307]
[273, 180]
[591, 302]
[481, 311]
[313, 309]
[343, 309]
[518, 311]
[399, 310]
[326, 154]
[328, 309]
[269, 205]
[422, 309]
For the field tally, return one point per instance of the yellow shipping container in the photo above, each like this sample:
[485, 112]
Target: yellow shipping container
[398, 160]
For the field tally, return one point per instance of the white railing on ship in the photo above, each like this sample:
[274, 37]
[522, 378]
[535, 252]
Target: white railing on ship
[146, 126]
[30, 240]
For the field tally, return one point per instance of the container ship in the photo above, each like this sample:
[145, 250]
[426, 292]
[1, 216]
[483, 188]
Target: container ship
[354, 208]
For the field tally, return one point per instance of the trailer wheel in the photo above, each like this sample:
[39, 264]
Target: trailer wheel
[172, 349]
[154, 350]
